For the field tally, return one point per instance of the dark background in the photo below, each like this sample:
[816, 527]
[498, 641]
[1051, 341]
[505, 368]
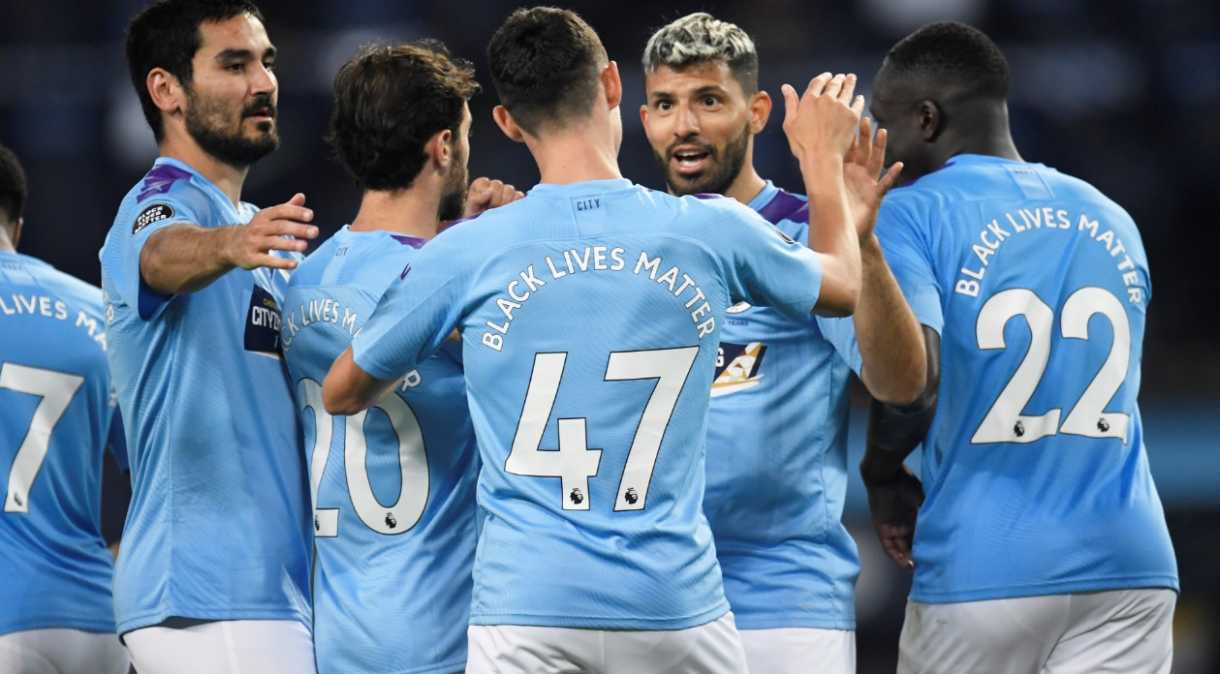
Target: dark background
[1125, 94]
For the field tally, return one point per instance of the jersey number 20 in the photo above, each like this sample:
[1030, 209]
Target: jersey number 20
[406, 510]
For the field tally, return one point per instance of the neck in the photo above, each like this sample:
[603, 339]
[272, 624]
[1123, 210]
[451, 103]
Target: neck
[225, 176]
[993, 137]
[748, 183]
[412, 211]
[574, 155]
[6, 241]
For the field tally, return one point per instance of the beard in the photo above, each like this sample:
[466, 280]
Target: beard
[720, 174]
[206, 121]
[453, 200]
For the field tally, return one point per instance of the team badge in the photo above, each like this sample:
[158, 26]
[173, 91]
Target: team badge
[154, 213]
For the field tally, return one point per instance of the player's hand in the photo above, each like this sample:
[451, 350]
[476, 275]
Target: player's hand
[485, 194]
[822, 123]
[894, 504]
[282, 227]
[862, 173]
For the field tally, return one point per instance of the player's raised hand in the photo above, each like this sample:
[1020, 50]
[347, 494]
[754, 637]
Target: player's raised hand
[862, 173]
[281, 227]
[485, 194]
[822, 122]
[894, 504]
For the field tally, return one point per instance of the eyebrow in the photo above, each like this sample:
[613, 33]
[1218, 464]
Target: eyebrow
[242, 54]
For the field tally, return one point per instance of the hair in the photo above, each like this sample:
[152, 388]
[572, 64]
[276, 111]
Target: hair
[700, 38]
[13, 188]
[389, 100]
[545, 64]
[953, 53]
[166, 35]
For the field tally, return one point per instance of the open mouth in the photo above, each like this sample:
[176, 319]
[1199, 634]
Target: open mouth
[690, 161]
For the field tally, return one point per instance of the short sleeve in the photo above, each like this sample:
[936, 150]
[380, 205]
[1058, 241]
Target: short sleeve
[766, 267]
[132, 229]
[909, 255]
[841, 333]
[417, 313]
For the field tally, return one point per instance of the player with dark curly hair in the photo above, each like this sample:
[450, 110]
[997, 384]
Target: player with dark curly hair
[400, 125]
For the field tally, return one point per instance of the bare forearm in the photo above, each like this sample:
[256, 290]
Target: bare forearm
[185, 258]
[348, 389]
[890, 337]
[832, 235]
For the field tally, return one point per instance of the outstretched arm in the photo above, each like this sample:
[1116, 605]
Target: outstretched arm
[184, 258]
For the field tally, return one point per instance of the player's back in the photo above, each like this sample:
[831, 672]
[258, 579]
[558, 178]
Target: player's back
[1036, 475]
[56, 417]
[393, 487]
[590, 316]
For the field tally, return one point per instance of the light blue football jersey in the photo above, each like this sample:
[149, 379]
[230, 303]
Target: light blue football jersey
[590, 316]
[394, 487]
[1034, 469]
[777, 457]
[57, 416]
[218, 527]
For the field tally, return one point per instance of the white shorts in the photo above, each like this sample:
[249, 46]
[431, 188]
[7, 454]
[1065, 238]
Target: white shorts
[713, 648]
[799, 650]
[223, 647]
[61, 651]
[1122, 631]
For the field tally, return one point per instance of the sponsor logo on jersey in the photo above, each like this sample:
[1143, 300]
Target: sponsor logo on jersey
[739, 308]
[154, 213]
[737, 367]
[784, 235]
[263, 324]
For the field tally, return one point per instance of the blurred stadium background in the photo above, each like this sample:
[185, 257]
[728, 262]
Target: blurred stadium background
[1122, 93]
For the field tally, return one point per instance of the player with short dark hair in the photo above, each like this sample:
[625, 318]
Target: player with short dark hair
[57, 417]
[777, 473]
[393, 488]
[214, 571]
[589, 313]
[1041, 545]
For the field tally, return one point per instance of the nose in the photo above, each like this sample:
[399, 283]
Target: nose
[687, 122]
[262, 80]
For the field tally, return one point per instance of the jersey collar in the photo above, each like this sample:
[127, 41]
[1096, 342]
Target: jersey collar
[582, 187]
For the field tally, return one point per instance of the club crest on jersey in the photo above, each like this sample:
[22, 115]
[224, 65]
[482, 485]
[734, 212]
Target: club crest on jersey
[263, 324]
[737, 367]
[154, 213]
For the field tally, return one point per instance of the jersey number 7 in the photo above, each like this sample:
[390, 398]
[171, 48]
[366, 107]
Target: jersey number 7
[575, 463]
[56, 390]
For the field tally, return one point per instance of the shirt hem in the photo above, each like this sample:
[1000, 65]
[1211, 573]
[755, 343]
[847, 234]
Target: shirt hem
[155, 618]
[96, 627]
[1040, 589]
[747, 622]
[600, 622]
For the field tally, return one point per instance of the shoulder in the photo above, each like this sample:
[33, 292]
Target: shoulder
[166, 192]
[81, 295]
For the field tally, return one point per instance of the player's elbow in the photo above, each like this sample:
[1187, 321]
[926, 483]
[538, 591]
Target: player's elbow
[338, 402]
[838, 298]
